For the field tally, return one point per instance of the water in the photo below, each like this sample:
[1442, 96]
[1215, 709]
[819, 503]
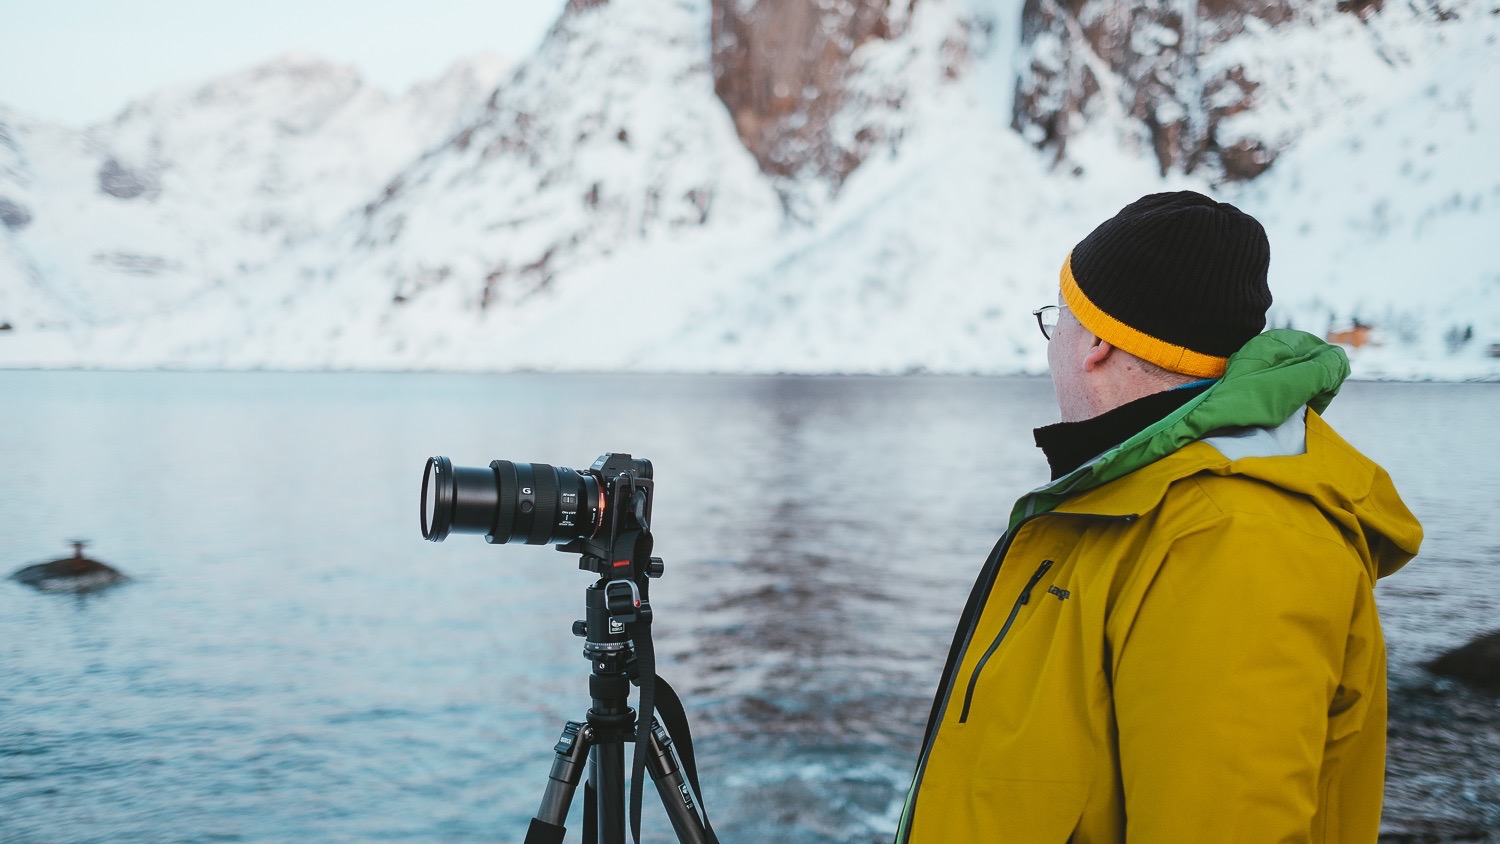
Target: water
[292, 662]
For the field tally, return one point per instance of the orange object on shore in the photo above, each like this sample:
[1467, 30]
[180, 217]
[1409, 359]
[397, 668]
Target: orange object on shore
[1355, 337]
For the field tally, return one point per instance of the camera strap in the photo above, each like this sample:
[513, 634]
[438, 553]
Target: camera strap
[673, 716]
[658, 698]
[674, 719]
[637, 621]
[645, 657]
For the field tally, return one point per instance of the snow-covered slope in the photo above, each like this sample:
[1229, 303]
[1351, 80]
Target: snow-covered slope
[1384, 206]
[601, 213]
[564, 208]
[189, 190]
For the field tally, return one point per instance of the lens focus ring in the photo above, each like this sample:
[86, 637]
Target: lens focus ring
[545, 478]
[505, 509]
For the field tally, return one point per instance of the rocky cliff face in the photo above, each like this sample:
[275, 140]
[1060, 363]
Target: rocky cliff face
[1156, 64]
[1212, 88]
[783, 69]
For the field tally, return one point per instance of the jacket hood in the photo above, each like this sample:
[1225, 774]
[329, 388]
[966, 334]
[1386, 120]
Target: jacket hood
[1261, 420]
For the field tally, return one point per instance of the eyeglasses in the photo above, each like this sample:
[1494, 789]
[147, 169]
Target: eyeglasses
[1046, 319]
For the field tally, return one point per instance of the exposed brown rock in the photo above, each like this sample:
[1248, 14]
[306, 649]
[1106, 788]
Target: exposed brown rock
[70, 574]
[1362, 9]
[13, 214]
[1245, 159]
[780, 66]
[1149, 56]
[1476, 664]
[525, 280]
[120, 181]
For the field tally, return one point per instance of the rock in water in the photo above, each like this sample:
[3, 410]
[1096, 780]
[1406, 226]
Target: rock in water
[70, 574]
[1476, 664]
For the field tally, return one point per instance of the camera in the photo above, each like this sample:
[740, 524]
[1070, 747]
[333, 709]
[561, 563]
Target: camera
[603, 514]
[534, 503]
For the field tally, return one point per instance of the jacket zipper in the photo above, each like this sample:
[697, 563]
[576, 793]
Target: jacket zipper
[903, 831]
[1021, 600]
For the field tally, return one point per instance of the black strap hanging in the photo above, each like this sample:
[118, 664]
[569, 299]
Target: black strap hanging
[674, 718]
[645, 656]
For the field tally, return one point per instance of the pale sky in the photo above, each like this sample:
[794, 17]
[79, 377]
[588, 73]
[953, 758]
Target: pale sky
[80, 61]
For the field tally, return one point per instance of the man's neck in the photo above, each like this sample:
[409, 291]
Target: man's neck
[1069, 445]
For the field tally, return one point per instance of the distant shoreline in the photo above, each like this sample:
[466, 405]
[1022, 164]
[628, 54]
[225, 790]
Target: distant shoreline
[1488, 378]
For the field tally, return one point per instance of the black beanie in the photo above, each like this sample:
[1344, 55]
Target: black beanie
[1176, 279]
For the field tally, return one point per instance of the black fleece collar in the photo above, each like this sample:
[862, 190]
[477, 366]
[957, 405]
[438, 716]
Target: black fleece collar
[1069, 445]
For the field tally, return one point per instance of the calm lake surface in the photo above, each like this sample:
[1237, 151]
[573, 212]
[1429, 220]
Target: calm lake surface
[293, 663]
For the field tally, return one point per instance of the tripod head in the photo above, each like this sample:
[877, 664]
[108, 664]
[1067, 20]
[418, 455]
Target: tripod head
[620, 553]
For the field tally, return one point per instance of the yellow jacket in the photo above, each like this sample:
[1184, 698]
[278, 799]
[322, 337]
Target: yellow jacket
[1179, 641]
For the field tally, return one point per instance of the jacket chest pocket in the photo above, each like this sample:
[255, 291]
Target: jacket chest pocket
[1027, 595]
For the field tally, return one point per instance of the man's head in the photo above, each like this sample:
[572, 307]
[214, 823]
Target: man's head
[1158, 295]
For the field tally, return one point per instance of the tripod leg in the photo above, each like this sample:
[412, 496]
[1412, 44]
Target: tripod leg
[676, 796]
[572, 750]
[608, 777]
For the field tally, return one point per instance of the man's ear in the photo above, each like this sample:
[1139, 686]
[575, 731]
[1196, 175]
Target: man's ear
[1098, 353]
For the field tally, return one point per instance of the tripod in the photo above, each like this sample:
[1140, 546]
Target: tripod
[617, 633]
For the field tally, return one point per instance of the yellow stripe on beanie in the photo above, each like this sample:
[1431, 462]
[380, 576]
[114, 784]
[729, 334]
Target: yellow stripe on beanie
[1142, 345]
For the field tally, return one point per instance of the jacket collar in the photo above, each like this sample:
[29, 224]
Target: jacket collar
[1269, 379]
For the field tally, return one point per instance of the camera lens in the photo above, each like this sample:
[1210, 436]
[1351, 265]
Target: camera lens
[532, 503]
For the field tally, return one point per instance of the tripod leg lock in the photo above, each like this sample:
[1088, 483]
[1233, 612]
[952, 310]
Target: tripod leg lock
[567, 771]
[572, 752]
[663, 764]
[676, 796]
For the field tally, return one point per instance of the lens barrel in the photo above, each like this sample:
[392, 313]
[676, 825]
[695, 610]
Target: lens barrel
[509, 502]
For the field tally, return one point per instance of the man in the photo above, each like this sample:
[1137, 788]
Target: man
[1176, 639]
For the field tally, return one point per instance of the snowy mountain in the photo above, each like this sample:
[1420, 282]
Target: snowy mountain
[188, 191]
[652, 191]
